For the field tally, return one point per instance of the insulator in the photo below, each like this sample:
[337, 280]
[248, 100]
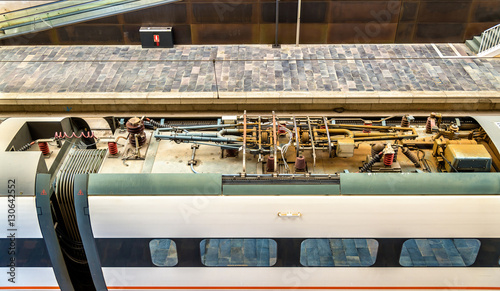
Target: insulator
[44, 147]
[26, 147]
[368, 165]
[378, 147]
[113, 148]
[270, 164]
[411, 157]
[428, 125]
[135, 127]
[300, 164]
[367, 130]
[405, 122]
[388, 159]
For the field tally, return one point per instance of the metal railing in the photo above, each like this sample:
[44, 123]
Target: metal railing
[490, 39]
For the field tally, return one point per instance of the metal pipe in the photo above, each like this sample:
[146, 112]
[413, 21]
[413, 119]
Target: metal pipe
[194, 147]
[395, 128]
[276, 45]
[371, 134]
[298, 23]
[312, 141]
[244, 141]
[379, 127]
[198, 138]
[297, 144]
[211, 126]
[260, 140]
[203, 134]
[235, 130]
[275, 143]
[335, 130]
[328, 135]
[125, 138]
[138, 151]
[391, 137]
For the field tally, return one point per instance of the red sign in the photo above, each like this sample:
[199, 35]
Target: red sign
[80, 192]
[43, 192]
[156, 39]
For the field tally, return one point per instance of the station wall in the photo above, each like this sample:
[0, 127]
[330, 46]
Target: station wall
[253, 22]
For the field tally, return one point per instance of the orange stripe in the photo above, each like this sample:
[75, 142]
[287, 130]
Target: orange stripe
[28, 288]
[300, 288]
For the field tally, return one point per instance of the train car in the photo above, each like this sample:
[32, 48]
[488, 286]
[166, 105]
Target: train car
[261, 202]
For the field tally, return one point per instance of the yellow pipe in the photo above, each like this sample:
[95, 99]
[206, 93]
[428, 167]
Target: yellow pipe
[336, 130]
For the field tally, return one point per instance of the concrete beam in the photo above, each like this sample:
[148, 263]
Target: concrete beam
[256, 101]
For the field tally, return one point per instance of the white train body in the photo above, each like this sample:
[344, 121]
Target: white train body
[322, 216]
[251, 203]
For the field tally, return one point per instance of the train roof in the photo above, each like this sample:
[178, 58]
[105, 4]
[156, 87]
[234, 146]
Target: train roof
[257, 155]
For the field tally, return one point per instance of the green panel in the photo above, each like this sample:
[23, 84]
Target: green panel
[155, 184]
[281, 190]
[419, 183]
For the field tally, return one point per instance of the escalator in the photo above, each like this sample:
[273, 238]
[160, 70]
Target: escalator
[66, 12]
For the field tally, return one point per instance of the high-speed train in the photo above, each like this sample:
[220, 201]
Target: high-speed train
[250, 203]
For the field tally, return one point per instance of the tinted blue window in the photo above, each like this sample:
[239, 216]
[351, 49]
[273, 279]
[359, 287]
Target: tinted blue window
[338, 252]
[439, 252]
[238, 252]
[163, 252]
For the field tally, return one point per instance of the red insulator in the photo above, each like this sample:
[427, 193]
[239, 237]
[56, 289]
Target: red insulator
[113, 148]
[135, 127]
[44, 147]
[405, 122]
[388, 159]
[429, 124]
[300, 164]
[367, 130]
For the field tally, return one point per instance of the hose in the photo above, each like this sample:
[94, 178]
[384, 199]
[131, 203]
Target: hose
[26, 146]
[448, 162]
[156, 123]
[411, 157]
[368, 165]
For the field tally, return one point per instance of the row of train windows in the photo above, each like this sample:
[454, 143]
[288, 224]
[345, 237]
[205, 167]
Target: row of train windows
[321, 252]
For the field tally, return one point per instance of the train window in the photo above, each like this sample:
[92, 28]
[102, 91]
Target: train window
[338, 252]
[163, 252]
[238, 252]
[439, 252]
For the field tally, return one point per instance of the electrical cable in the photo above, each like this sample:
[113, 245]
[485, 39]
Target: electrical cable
[283, 149]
